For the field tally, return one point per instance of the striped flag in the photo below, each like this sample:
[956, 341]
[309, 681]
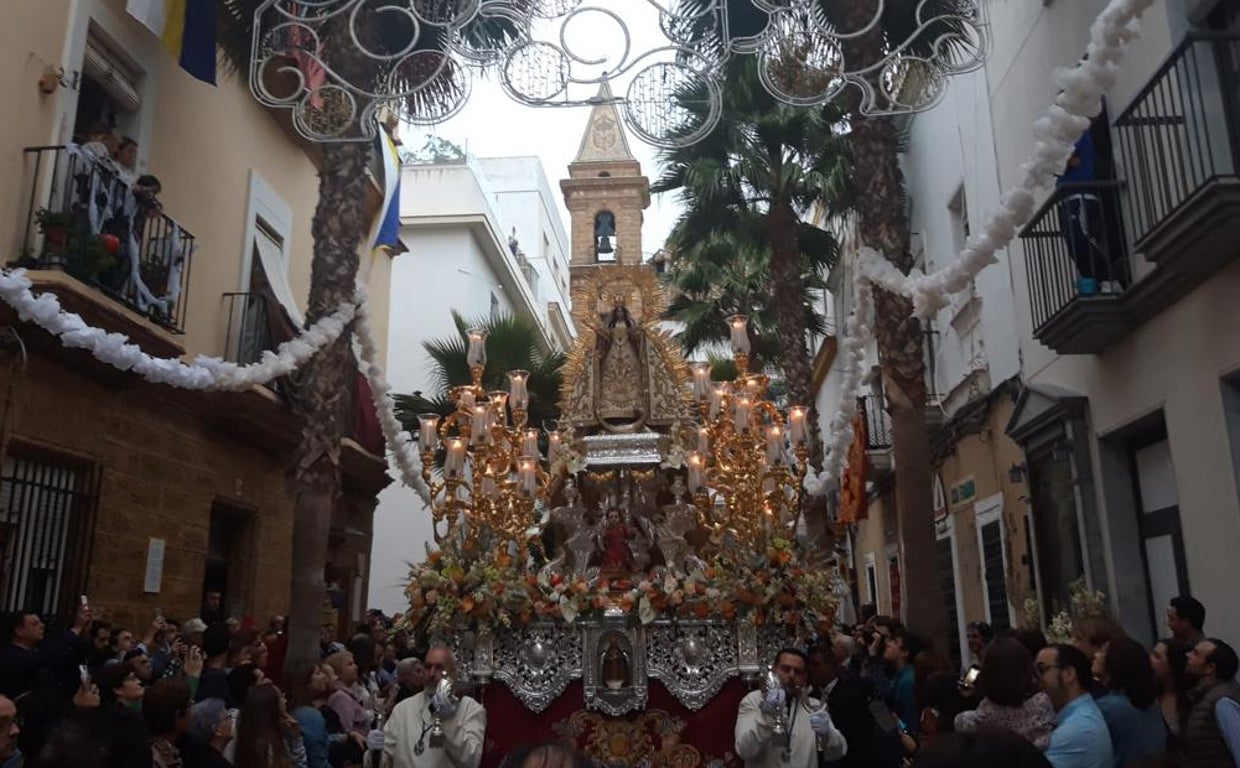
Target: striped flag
[187, 28]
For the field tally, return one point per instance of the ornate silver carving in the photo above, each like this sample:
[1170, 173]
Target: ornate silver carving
[693, 659]
[538, 662]
[425, 49]
[624, 450]
[602, 692]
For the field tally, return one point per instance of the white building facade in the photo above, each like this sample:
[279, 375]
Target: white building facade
[485, 239]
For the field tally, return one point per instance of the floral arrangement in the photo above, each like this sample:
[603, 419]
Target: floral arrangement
[1083, 603]
[772, 588]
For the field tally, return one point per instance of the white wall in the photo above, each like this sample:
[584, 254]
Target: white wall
[951, 148]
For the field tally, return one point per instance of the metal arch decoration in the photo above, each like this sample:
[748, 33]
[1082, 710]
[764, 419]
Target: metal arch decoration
[429, 59]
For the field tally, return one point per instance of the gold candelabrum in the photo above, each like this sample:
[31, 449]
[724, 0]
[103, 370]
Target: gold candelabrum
[746, 472]
[493, 472]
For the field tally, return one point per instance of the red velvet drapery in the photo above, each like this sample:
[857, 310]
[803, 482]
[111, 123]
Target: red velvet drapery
[664, 735]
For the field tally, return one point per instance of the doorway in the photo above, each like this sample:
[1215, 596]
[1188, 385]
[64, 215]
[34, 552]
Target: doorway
[1158, 520]
[229, 557]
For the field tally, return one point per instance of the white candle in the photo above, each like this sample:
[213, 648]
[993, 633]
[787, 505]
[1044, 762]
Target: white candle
[739, 327]
[796, 424]
[741, 414]
[429, 431]
[717, 392]
[696, 462]
[703, 441]
[774, 444]
[454, 463]
[488, 486]
[518, 391]
[553, 447]
[477, 353]
[467, 400]
[527, 474]
[478, 427]
[701, 381]
[529, 443]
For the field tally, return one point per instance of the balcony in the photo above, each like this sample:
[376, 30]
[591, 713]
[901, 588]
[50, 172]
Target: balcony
[1178, 144]
[877, 436]
[1077, 268]
[112, 237]
[1103, 257]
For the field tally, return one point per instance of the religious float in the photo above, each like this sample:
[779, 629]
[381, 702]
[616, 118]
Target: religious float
[620, 581]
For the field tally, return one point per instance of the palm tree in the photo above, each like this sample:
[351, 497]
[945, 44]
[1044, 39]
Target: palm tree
[713, 279]
[878, 201]
[338, 227]
[749, 182]
[512, 344]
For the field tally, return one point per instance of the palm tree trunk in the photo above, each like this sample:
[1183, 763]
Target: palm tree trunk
[339, 221]
[883, 224]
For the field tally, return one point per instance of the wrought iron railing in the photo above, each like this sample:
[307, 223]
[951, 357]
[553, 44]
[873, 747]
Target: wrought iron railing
[877, 423]
[107, 232]
[1074, 248]
[1179, 133]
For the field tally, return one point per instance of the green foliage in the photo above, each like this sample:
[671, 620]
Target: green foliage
[762, 156]
[512, 344]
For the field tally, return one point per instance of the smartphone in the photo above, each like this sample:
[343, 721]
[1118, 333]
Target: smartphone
[82, 599]
[84, 674]
[969, 678]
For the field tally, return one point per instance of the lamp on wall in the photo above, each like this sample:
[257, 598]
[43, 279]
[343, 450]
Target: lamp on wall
[1016, 474]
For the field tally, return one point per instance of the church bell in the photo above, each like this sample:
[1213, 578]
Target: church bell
[604, 245]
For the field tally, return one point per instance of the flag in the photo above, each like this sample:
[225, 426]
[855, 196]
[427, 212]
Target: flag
[187, 28]
[388, 233]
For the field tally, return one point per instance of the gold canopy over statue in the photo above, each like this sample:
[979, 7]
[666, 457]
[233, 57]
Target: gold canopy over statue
[624, 374]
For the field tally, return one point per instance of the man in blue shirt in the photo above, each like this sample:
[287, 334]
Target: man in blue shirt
[1081, 738]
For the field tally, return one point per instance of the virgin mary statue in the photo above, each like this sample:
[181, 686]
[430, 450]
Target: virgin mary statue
[619, 355]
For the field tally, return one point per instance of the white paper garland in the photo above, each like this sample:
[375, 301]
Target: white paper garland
[1057, 133]
[403, 449]
[203, 373]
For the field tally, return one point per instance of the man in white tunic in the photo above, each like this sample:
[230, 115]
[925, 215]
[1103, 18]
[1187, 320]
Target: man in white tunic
[809, 730]
[407, 735]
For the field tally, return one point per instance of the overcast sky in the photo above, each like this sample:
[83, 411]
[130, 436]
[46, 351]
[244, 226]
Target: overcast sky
[492, 124]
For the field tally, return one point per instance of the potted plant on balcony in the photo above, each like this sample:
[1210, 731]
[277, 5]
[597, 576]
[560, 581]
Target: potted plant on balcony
[54, 226]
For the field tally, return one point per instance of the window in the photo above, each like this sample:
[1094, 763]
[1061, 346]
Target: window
[109, 92]
[991, 545]
[263, 313]
[605, 245]
[1158, 520]
[47, 519]
[949, 579]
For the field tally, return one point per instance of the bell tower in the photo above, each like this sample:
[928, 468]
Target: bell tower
[605, 193]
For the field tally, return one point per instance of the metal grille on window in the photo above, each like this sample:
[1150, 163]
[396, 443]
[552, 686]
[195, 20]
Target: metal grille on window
[947, 588]
[47, 515]
[996, 578]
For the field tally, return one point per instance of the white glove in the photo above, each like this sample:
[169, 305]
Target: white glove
[443, 706]
[374, 740]
[820, 721]
[774, 702]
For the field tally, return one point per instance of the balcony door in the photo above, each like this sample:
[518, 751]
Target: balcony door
[1158, 509]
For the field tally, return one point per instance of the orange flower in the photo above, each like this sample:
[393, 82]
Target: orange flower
[700, 588]
[711, 573]
[467, 604]
[434, 556]
[621, 585]
[503, 559]
[701, 611]
[728, 610]
[626, 603]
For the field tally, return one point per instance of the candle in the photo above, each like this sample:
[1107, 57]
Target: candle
[741, 413]
[478, 427]
[553, 447]
[717, 392]
[466, 401]
[454, 463]
[429, 431]
[696, 462]
[701, 381]
[529, 443]
[499, 407]
[739, 327]
[774, 444]
[796, 424]
[703, 441]
[518, 392]
[527, 474]
[476, 356]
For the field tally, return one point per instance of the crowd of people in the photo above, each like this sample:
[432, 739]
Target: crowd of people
[1100, 701]
[212, 692]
